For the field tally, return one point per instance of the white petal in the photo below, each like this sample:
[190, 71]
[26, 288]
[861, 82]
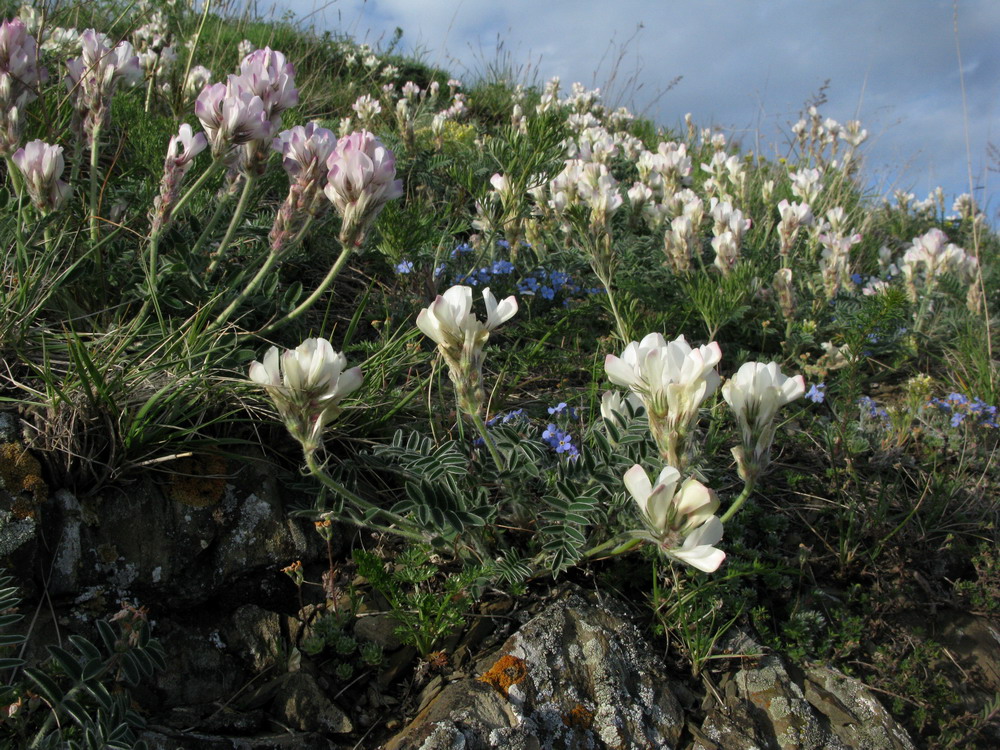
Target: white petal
[705, 559]
[619, 372]
[638, 485]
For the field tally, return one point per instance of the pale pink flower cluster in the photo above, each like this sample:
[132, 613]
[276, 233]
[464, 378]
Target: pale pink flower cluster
[672, 379]
[20, 75]
[93, 78]
[835, 261]
[42, 165]
[807, 184]
[361, 180]
[794, 216]
[931, 255]
[728, 228]
[246, 110]
[307, 385]
[305, 152]
[367, 109]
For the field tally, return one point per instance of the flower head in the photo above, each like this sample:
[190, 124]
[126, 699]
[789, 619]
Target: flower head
[42, 166]
[307, 385]
[361, 180]
[672, 379]
[267, 74]
[305, 148]
[460, 336]
[232, 115]
[755, 394]
[680, 520]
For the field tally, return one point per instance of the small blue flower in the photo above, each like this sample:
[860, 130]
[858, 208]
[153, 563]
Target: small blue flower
[856, 278]
[558, 408]
[564, 443]
[548, 292]
[550, 435]
[439, 270]
[405, 266]
[816, 393]
[503, 267]
[504, 244]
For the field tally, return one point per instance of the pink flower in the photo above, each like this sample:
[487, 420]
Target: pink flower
[42, 165]
[362, 179]
[267, 74]
[231, 115]
[305, 150]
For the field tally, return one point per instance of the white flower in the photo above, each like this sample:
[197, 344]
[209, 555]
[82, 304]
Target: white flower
[672, 380]
[665, 374]
[460, 336]
[755, 394]
[681, 521]
[616, 409]
[307, 385]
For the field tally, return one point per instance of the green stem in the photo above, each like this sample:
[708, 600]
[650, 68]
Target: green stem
[196, 185]
[149, 89]
[303, 306]
[621, 548]
[317, 471]
[95, 153]
[477, 419]
[265, 269]
[151, 277]
[738, 502]
[237, 218]
[207, 232]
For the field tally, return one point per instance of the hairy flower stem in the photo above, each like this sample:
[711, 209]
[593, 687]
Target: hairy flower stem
[404, 529]
[149, 87]
[151, 300]
[304, 306]
[613, 548]
[95, 153]
[237, 218]
[209, 230]
[477, 419]
[196, 185]
[738, 502]
[265, 269]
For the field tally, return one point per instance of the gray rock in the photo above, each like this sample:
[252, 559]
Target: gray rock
[301, 703]
[183, 548]
[574, 676]
[380, 629]
[198, 670]
[764, 707]
[160, 738]
[255, 634]
[853, 713]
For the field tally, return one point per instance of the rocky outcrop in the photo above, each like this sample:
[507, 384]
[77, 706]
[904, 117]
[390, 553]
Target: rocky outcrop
[576, 675]
[764, 706]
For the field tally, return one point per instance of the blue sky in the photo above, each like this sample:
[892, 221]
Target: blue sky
[747, 66]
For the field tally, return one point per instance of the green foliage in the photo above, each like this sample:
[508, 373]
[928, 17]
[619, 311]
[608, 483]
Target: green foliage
[427, 608]
[84, 701]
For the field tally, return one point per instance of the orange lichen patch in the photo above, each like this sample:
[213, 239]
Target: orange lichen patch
[20, 473]
[198, 481]
[579, 718]
[508, 671]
